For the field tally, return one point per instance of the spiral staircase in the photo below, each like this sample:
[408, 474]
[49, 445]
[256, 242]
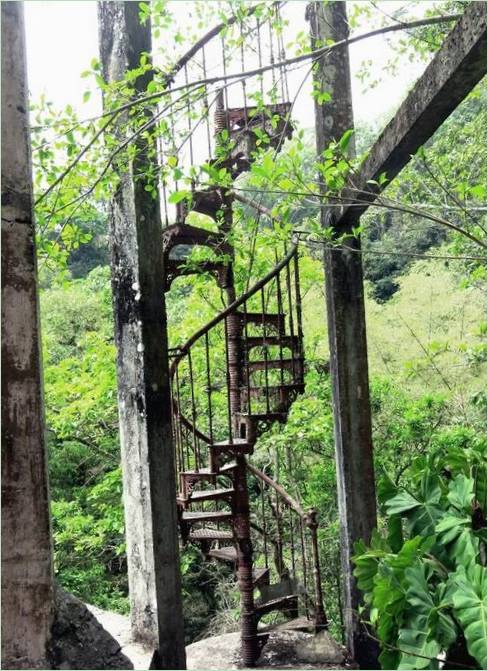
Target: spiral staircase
[230, 381]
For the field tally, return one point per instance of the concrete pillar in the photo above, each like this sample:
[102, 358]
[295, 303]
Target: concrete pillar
[27, 591]
[347, 334]
[142, 368]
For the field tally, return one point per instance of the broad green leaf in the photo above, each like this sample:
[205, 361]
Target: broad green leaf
[461, 492]
[345, 140]
[469, 603]
[400, 503]
[418, 652]
[178, 196]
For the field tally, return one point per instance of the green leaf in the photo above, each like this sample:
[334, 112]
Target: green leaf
[469, 603]
[418, 652]
[461, 492]
[423, 512]
[345, 140]
[178, 196]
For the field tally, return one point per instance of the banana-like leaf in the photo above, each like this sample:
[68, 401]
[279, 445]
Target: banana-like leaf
[469, 603]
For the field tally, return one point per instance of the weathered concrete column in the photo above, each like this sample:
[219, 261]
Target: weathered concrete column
[347, 334]
[142, 369]
[27, 588]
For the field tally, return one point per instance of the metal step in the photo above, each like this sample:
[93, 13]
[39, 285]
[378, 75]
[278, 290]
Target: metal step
[210, 495]
[263, 416]
[208, 201]
[294, 366]
[285, 341]
[297, 624]
[260, 576]
[208, 534]
[276, 392]
[283, 603]
[236, 446]
[274, 320]
[224, 554]
[207, 473]
[203, 516]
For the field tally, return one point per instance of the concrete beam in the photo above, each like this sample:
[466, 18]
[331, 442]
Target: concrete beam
[142, 368]
[346, 324]
[27, 589]
[454, 71]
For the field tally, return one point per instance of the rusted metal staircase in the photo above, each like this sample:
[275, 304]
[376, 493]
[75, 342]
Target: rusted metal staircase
[230, 381]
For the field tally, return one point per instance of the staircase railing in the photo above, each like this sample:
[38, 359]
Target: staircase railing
[203, 393]
[287, 542]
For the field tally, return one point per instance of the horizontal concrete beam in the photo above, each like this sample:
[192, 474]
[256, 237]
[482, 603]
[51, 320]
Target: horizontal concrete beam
[456, 68]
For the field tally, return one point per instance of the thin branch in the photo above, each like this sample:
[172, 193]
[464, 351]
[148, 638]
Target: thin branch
[318, 53]
[380, 202]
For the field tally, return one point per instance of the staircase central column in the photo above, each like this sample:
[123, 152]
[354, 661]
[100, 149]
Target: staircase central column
[249, 641]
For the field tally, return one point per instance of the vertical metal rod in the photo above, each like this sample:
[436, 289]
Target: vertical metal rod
[290, 317]
[190, 132]
[224, 70]
[260, 63]
[298, 302]
[265, 346]
[304, 556]
[227, 374]
[312, 524]
[194, 414]
[292, 543]
[279, 536]
[206, 105]
[209, 389]
[246, 351]
[243, 69]
[272, 58]
[176, 415]
[265, 527]
[280, 330]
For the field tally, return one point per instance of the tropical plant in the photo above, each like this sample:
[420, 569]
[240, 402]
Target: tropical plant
[424, 578]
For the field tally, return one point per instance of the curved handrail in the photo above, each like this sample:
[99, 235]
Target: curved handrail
[232, 307]
[279, 489]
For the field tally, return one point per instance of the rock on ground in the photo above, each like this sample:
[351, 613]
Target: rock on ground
[285, 649]
[80, 641]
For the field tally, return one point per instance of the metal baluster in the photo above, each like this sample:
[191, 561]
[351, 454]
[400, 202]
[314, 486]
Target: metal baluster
[227, 374]
[265, 346]
[176, 416]
[304, 557]
[209, 389]
[280, 330]
[190, 132]
[298, 300]
[246, 352]
[292, 544]
[206, 105]
[194, 415]
[290, 316]
[265, 526]
[261, 79]
[279, 534]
